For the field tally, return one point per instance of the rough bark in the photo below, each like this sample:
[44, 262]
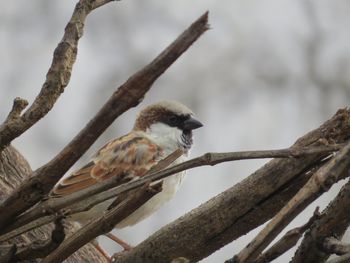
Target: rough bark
[13, 170]
[334, 170]
[333, 222]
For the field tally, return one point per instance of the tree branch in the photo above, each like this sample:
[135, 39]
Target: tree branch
[333, 222]
[288, 241]
[87, 197]
[13, 170]
[321, 181]
[57, 77]
[242, 207]
[99, 193]
[103, 224]
[206, 159]
[128, 95]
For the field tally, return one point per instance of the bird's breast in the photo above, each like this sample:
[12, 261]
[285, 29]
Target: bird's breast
[169, 188]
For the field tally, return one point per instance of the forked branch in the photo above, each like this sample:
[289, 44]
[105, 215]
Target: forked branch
[57, 77]
[288, 241]
[322, 180]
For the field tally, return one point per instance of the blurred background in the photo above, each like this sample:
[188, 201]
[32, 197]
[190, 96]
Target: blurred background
[265, 74]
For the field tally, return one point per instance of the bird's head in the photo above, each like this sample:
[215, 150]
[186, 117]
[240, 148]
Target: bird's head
[169, 123]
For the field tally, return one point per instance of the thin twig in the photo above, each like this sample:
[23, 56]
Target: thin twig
[321, 180]
[206, 159]
[103, 224]
[57, 78]
[128, 95]
[99, 193]
[288, 241]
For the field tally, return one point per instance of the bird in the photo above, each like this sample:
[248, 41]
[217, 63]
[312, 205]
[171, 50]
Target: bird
[159, 130]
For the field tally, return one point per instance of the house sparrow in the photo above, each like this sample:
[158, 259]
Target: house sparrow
[159, 130]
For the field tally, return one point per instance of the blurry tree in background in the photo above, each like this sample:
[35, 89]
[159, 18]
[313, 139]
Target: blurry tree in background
[266, 73]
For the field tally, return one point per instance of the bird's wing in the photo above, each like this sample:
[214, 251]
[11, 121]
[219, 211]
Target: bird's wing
[131, 155]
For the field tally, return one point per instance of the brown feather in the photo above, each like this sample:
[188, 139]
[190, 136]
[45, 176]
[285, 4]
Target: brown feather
[131, 155]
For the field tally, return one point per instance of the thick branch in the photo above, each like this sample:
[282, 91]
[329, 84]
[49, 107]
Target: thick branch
[57, 77]
[13, 170]
[91, 196]
[333, 222]
[241, 208]
[321, 181]
[103, 224]
[128, 95]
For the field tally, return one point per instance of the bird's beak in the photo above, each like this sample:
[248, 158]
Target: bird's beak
[192, 123]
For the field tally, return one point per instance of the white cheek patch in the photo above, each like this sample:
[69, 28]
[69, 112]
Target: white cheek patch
[165, 136]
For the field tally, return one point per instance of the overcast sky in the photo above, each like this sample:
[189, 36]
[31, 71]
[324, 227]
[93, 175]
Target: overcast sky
[265, 73]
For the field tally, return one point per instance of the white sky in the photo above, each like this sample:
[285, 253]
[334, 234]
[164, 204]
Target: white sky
[251, 79]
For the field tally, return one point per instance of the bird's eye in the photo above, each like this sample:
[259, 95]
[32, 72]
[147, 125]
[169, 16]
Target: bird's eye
[172, 119]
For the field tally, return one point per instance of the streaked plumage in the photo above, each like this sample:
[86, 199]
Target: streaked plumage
[159, 130]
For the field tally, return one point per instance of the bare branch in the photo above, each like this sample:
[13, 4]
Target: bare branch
[206, 159]
[322, 180]
[87, 196]
[333, 222]
[128, 95]
[13, 170]
[242, 207]
[99, 193]
[103, 224]
[288, 241]
[57, 77]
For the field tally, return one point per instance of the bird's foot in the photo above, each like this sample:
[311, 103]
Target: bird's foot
[120, 242]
